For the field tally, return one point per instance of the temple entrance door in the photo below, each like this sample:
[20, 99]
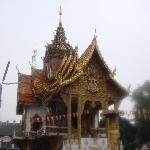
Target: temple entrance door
[87, 118]
[90, 118]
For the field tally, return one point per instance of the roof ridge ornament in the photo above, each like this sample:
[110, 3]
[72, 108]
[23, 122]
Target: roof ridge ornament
[17, 69]
[95, 32]
[129, 89]
[33, 63]
[114, 71]
[76, 48]
[60, 15]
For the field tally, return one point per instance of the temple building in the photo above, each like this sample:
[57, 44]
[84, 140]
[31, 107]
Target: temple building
[60, 104]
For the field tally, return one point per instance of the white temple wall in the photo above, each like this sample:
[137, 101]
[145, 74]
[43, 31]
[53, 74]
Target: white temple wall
[94, 143]
[31, 111]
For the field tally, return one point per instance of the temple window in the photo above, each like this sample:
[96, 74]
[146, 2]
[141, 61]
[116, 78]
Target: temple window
[87, 118]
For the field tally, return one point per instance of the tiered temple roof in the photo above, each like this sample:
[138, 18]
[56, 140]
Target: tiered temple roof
[61, 68]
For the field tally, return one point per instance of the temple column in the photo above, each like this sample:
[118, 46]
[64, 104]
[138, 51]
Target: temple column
[79, 122]
[113, 134]
[116, 107]
[69, 118]
[105, 110]
[104, 106]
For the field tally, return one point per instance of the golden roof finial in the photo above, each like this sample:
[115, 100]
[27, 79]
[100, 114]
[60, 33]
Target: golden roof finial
[76, 48]
[60, 14]
[114, 71]
[129, 88]
[95, 33]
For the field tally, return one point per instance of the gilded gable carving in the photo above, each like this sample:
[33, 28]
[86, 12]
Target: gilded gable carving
[92, 83]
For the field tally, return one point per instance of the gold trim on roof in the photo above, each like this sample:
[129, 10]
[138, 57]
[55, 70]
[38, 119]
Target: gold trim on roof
[66, 75]
[84, 59]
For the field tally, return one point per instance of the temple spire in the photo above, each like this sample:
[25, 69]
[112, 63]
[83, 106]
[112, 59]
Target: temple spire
[60, 14]
[60, 37]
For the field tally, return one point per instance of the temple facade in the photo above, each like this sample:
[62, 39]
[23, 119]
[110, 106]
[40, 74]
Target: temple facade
[60, 104]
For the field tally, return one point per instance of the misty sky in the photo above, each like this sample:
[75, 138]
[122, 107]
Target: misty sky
[123, 31]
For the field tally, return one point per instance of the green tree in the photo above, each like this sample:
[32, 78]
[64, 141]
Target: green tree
[141, 97]
[127, 134]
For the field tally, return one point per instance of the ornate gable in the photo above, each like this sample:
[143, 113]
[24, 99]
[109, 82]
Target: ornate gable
[97, 79]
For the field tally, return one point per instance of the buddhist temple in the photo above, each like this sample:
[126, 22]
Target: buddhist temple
[60, 104]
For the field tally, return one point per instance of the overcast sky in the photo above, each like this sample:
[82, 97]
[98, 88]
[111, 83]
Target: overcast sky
[123, 31]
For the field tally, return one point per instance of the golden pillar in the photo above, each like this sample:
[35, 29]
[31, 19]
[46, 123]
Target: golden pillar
[79, 122]
[113, 134]
[104, 106]
[69, 118]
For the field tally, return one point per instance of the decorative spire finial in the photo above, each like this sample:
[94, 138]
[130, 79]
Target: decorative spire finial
[114, 71]
[129, 89]
[76, 48]
[95, 33]
[34, 58]
[17, 69]
[60, 14]
[59, 37]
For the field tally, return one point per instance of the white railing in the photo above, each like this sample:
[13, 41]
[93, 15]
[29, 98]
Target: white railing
[45, 130]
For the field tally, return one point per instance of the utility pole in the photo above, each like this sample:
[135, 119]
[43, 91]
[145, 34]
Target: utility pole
[2, 82]
[0, 94]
